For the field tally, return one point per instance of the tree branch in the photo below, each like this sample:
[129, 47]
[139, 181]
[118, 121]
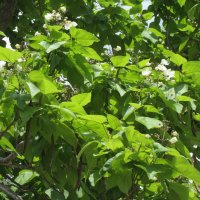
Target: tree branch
[9, 192]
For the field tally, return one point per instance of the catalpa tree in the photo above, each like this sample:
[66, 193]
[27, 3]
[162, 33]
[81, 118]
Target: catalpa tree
[100, 99]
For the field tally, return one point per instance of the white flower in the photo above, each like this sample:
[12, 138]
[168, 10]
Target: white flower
[49, 17]
[63, 9]
[146, 72]
[19, 68]
[20, 60]
[2, 65]
[174, 133]
[164, 62]
[173, 140]
[57, 17]
[148, 64]
[37, 33]
[169, 74]
[154, 178]
[69, 24]
[44, 26]
[147, 136]
[17, 46]
[118, 48]
[161, 67]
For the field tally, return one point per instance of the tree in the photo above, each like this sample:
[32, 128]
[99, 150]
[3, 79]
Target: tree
[100, 100]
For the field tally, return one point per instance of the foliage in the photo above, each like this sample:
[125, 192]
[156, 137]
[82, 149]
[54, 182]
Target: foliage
[100, 100]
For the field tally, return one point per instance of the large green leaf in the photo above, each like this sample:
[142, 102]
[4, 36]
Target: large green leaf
[178, 191]
[9, 55]
[114, 122]
[54, 46]
[25, 176]
[149, 122]
[178, 59]
[120, 61]
[182, 165]
[45, 85]
[191, 67]
[83, 37]
[82, 99]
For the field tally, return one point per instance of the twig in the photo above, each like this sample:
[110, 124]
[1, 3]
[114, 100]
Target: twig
[9, 192]
[15, 166]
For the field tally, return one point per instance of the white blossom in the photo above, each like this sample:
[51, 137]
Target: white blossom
[148, 64]
[161, 67]
[118, 48]
[37, 33]
[17, 46]
[164, 62]
[44, 26]
[20, 60]
[18, 68]
[63, 9]
[49, 16]
[2, 65]
[173, 140]
[146, 72]
[174, 133]
[69, 24]
[147, 136]
[8, 44]
[57, 17]
[169, 74]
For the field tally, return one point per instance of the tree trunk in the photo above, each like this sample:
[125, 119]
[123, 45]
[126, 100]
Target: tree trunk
[7, 9]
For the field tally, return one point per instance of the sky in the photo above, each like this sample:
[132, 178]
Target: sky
[146, 4]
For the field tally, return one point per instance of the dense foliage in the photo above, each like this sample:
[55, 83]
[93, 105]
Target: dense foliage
[100, 100]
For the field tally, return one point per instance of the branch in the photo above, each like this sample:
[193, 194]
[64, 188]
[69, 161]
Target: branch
[9, 192]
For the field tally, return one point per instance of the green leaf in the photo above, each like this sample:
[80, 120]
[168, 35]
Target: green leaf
[25, 176]
[152, 109]
[148, 16]
[9, 55]
[182, 165]
[191, 67]
[177, 191]
[178, 59]
[96, 118]
[84, 149]
[54, 46]
[74, 107]
[67, 133]
[67, 114]
[184, 42]
[2, 33]
[6, 145]
[143, 63]
[181, 2]
[34, 90]
[194, 11]
[45, 85]
[149, 122]
[114, 122]
[83, 37]
[86, 51]
[82, 99]
[120, 61]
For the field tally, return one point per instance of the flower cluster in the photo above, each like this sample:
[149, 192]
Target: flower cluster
[54, 16]
[168, 73]
[59, 17]
[69, 24]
